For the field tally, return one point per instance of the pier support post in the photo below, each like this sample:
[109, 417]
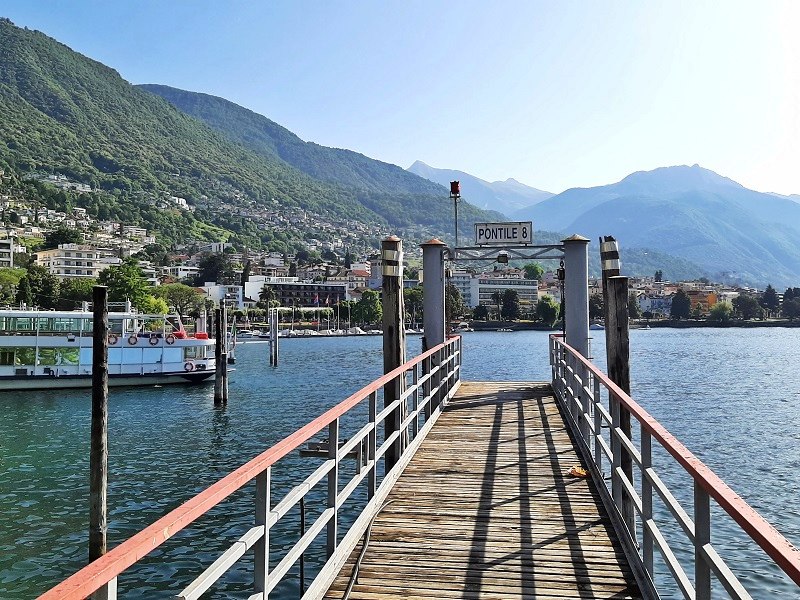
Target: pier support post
[273, 337]
[615, 308]
[394, 340]
[433, 308]
[98, 450]
[576, 292]
[224, 354]
[218, 333]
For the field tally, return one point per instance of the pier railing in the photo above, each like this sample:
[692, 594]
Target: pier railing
[578, 385]
[424, 385]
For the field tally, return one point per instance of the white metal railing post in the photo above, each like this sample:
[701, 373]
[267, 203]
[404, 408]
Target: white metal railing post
[415, 400]
[261, 547]
[333, 486]
[372, 443]
[616, 452]
[647, 500]
[598, 426]
[584, 398]
[702, 536]
[426, 387]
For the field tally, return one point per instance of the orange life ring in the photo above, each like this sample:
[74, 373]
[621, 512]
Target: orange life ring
[113, 338]
[189, 367]
[133, 340]
[170, 339]
[153, 340]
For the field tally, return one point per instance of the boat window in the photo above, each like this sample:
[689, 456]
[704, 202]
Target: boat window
[59, 325]
[24, 356]
[173, 355]
[6, 357]
[151, 355]
[191, 352]
[12, 325]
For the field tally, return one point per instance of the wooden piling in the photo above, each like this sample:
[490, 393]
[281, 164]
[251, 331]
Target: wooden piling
[224, 354]
[394, 338]
[218, 356]
[273, 337]
[618, 357]
[98, 450]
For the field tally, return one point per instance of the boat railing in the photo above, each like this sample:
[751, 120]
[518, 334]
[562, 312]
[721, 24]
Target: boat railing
[597, 426]
[421, 387]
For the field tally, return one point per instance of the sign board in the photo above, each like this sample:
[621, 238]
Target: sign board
[503, 234]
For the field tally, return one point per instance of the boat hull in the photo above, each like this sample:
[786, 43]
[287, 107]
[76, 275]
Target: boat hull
[45, 382]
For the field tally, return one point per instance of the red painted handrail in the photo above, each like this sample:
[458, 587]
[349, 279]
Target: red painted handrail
[96, 574]
[774, 544]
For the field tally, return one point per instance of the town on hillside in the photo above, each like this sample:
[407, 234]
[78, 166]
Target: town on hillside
[76, 250]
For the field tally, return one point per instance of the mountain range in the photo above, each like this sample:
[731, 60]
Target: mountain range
[63, 113]
[506, 196]
[732, 233]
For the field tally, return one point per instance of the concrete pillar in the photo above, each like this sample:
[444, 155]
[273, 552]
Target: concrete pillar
[576, 292]
[433, 282]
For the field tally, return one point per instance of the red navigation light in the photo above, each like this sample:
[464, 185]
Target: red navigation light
[455, 188]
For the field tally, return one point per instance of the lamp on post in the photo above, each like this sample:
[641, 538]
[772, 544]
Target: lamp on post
[455, 194]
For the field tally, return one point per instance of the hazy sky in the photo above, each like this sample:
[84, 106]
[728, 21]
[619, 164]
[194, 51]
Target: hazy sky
[555, 94]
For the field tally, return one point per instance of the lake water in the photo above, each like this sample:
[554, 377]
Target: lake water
[731, 395]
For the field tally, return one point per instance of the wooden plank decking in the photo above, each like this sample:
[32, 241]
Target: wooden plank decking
[486, 510]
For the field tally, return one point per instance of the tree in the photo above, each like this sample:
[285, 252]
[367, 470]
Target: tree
[534, 271]
[216, 268]
[791, 308]
[681, 305]
[634, 311]
[481, 312]
[368, 309]
[413, 303]
[74, 291]
[267, 296]
[62, 235]
[182, 298]
[246, 273]
[9, 280]
[453, 303]
[38, 287]
[721, 312]
[126, 282]
[153, 306]
[770, 301]
[596, 306]
[293, 270]
[348, 260]
[510, 311]
[747, 307]
[547, 310]
[302, 257]
[497, 298]
[659, 276]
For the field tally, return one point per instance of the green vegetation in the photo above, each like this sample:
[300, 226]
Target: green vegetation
[510, 310]
[747, 307]
[547, 310]
[721, 312]
[183, 298]
[681, 306]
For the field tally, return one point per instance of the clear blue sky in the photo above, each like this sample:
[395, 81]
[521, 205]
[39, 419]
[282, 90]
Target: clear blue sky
[554, 94]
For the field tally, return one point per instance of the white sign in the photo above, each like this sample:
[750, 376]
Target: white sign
[501, 234]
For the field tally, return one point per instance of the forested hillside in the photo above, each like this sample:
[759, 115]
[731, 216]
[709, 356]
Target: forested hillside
[61, 112]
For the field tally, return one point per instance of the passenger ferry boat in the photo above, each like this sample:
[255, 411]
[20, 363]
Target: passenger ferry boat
[52, 349]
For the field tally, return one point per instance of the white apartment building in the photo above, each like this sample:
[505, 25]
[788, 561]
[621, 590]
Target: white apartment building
[7, 249]
[482, 287]
[76, 260]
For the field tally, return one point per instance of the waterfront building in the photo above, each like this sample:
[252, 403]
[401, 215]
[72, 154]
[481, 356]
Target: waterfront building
[76, 260]
[484, 285]
[7, 249]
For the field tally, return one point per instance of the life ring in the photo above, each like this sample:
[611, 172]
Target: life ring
[189, 367]
[170, 339]
[153, 340]
[113, 338]
[133, 340]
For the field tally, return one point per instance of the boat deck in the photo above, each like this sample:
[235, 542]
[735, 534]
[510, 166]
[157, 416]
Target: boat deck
[486, 510]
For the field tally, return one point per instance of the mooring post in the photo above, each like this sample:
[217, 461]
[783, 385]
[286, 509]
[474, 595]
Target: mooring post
[224, 354]
[394, 340]
[615, 309]
[273, 337]
[98, 450]
[218, 355]
[576, 292]
[433, 309]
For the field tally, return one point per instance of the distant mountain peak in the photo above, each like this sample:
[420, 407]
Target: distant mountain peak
[678, 178]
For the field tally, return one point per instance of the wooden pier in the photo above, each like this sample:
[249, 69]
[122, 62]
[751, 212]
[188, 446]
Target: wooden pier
[486, 509]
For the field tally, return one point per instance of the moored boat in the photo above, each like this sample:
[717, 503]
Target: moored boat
[53, 349]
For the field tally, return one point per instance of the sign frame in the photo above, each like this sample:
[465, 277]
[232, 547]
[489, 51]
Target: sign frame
[509, 233]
